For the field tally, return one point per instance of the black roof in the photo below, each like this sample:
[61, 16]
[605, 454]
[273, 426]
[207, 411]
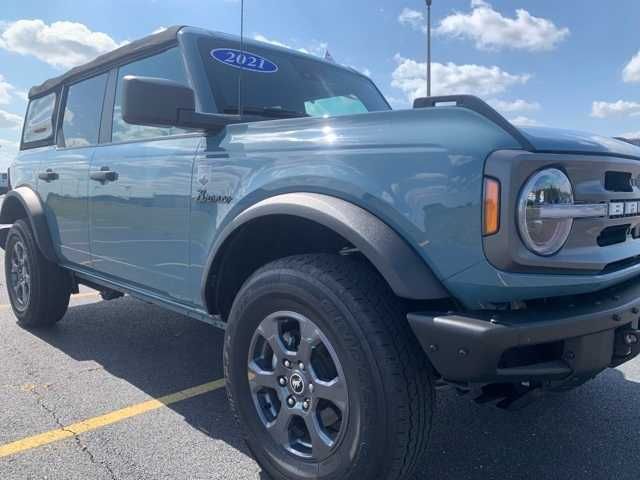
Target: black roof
[149, 43]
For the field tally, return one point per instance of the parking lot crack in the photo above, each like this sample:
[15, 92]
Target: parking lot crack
[76, 437]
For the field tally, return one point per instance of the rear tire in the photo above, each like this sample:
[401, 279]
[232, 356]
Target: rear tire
[39, 290]
[382, 427]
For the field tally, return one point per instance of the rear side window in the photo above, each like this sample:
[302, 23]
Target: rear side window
[81, 120]
[167, 65]
[38, 125]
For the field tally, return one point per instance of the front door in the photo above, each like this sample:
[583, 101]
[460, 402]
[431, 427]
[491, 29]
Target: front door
[140, 194]
[63, 179]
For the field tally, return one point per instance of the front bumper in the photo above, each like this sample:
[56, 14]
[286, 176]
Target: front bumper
[561, 343]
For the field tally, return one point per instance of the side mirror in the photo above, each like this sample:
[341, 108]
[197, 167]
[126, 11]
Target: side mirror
[164, 103]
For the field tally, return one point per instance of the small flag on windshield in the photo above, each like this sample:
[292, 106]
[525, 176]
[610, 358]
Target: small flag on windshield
[328, 57]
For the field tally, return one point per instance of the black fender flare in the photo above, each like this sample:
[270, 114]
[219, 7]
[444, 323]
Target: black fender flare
[404, 270]
[30, 202]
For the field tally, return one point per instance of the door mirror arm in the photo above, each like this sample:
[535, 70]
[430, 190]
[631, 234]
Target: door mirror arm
[206, 121]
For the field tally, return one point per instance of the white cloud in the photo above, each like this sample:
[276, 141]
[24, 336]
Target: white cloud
[518, 105]
[364, 71]
[318, 49]
[412, 18]
[6, 90]
[490, 30]
[261, 38]
[619, 108]
[61, 44]
[631, 72]
[9, 120]
[450, 78]
[522, 121]
[8, 152]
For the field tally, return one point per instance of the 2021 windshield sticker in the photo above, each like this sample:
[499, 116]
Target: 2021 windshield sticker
[244, 60]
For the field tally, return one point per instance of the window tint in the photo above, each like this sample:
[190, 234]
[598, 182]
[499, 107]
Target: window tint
[39, 123]
[81, 121]
[167, 65]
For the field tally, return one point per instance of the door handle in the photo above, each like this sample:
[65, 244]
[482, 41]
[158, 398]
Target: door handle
[48, 176]
[104, 175]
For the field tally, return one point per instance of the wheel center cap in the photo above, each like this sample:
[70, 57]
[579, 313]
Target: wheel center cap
[297, 384]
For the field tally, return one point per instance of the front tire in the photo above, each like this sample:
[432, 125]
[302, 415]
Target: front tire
[39, 290]
[324, 374]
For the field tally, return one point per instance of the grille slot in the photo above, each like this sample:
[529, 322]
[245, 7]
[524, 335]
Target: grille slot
[613, 235]
[618, 182]
[621, 264]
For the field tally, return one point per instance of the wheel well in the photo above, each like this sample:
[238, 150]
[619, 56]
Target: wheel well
[12, 210]
[259, 242]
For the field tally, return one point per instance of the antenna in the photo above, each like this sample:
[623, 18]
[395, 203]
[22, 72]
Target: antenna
[240, 75]
[429, 2]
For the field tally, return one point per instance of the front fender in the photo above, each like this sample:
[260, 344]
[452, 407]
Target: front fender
[24, 202]
[403, 269]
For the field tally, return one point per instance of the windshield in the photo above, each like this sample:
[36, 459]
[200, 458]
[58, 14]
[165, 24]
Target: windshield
[276, 84]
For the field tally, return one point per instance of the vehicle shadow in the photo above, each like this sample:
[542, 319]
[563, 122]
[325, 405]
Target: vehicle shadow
[591, 432]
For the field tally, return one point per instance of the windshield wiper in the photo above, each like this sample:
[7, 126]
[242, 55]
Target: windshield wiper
[269, 112]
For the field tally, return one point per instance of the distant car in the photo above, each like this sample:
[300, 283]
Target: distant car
[4, 183]
[357, 256]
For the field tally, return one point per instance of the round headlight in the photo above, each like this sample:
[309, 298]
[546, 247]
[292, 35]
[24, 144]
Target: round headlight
[543, 235]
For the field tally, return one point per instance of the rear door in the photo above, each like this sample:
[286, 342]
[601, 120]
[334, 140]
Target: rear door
[64, 177]
[140, 207]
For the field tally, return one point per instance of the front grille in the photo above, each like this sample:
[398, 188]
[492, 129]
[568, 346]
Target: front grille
[607, 243]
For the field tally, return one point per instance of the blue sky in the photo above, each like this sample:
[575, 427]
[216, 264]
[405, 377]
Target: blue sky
[571, 63]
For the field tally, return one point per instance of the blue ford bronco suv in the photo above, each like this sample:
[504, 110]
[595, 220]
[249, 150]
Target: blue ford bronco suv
[358, 257]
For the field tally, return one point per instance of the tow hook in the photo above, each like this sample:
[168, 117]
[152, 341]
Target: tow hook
[627, 345]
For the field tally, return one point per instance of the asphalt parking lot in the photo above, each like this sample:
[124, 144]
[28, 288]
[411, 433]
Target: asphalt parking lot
[104, 357]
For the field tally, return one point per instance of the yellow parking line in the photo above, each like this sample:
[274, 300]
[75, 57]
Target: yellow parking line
[77, 295]
[35, 441]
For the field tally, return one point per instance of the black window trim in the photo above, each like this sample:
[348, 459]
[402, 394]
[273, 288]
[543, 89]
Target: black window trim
[106, 118]
[63, 106]
[51, 139]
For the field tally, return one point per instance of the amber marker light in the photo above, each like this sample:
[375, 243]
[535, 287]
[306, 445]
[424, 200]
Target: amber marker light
[491, 206]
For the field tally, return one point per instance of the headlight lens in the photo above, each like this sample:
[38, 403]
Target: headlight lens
[544, 236]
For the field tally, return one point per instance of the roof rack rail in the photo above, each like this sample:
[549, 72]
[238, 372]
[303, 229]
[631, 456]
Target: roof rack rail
[479, 106]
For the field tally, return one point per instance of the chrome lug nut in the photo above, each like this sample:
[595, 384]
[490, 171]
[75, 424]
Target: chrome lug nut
[301, 366]
[291, 402]
[311, 388]
[306, 404]
[282, 381]
[287, 363]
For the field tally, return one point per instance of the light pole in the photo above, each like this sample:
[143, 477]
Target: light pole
[428, 47]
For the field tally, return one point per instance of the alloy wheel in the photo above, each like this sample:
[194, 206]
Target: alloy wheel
[298, 385]
[20, 277]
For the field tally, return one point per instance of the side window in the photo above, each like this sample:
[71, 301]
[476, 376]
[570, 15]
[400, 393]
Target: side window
[81, 120]
[39, 122]
[167, 65]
